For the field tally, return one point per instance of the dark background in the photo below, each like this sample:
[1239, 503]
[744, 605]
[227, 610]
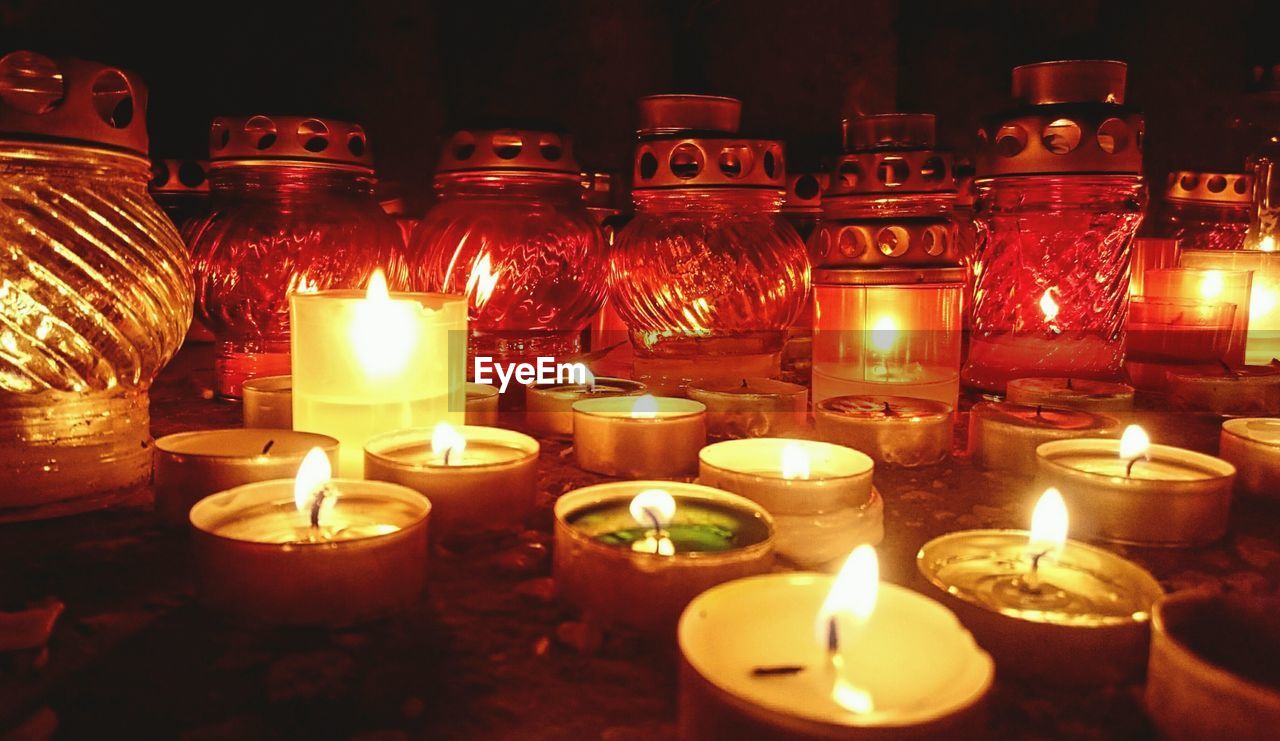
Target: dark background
[411, 70]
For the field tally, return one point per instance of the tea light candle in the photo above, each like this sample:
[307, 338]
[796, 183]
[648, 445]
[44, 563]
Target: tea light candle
[192, 465]
[311, 551]
[268, 402]
[370, 362]
[1263, 343]
[752, 407]
[549, 407]
[475, 477]
[819, 494]
[895, 430]
[1249, 391]
[641, 436]
[1130, 491]
[1004, 436]
[1047, 608]
[1072, 393]
[482, 405]
[633, 553]
[1252, 445]
[807, 656]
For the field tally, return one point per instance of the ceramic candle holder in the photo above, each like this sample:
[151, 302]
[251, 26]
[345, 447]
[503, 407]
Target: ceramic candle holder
[1248, 391]
[1086, 623]
[1170, 498]
[549, 407]
[611, 436]
[925, 676]
[1252, 445]
[1071, 393]
[717, 537]
[493, 483]
[1213, 667]
[753, 407]
[268, 402]
[190, 466]
[482, 405]
[255, 560]
[1004, 436]
[893, 430]
[821, 513]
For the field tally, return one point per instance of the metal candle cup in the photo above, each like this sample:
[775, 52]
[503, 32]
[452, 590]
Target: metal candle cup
[1088, 623]
[1004, 436]
[645, 591]
[1252, 445]
[482, 405]
[268, 402]
[253, 561]
[1170, 497]
[1072, 393]
[493, 483]
[192, 465]
[661, 439]
[752, 407]
[820, 513]
[549, 407]
[891, 429]
[1250, 391]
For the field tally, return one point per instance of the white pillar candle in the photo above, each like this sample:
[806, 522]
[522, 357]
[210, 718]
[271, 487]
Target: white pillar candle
[639, 436]
[819, 494]
[1004, 436]
[1250, 391]
[752, 407]
[367, 363]
[549, 407]
[482, 405]
[895, 430]
[1252, 445]
[268, 402]
[1072, 393]
[476, 477]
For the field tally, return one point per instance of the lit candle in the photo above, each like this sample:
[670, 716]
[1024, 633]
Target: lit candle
[268, 402]
[819, 494]
[633, 553]
[371, 362]
[1252, 445]
[640, 436]
[312, 550]
[1264, 312]
[1130, 491]
[1250, 390]
[752, 407]
[1177, 333]
[549, 407]
[891, 429]
[1072, 393]
[1047, 608]
[192, 465]
[1206, 287]
[812, 656]
[476, 477]
[482, 405]
[1004, 436]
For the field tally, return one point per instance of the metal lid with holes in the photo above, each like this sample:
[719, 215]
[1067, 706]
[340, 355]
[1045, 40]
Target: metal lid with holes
[71, 100]
[709, 163]
[887, 276]
[179, 177]
[666, 115]
[804, 192]
[303, 139]
[1071, 121]
[885, 243]
[891, 153]
[1210, 188]
[508, 150]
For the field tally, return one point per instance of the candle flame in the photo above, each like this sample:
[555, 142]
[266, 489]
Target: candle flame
[377, 290]
[1049, 306]
[448, 444]
[1267, 244]
[1049, 523]
[654, 508]
[852, 598]
[313, 474]
[645, 407]
[795, 461]
[1211, 284]
[884, 333]
[482, 281]
[1134, 443]
[382, 335]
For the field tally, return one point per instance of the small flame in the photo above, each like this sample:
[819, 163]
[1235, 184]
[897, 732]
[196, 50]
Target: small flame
[1049, 306]
[481, 282]
[1049, 523]
[1267, 244]
[1134, 443]
[645, 407]
[312, 475]
[382, 330]
[377, 291]
[1211, 284]
[795, 461]
[448, 444]
[852, 598]
[654, 508]
[884, 333]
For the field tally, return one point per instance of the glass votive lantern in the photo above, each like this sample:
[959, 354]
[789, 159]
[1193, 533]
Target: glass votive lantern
[1263, 342]
[1060, 196]
[1206, 210]
[1150, 253]
[292, 210]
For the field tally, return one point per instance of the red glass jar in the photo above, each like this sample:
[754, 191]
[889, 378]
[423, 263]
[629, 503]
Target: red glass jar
[601, 195]
[181, 188]
[1059, 200]
[1206, 210]
[292, 210]
[707, 275]
[511, 232]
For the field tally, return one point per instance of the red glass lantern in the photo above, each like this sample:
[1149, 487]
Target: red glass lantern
[511, 232]
[1060, 197]
[600, 194]
[707, 275]
[292, 210]
[1206, 210]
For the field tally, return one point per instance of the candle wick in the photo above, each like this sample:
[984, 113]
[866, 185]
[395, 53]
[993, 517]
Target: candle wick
[833, 637]
[1033, 577]
[1069, 388]
[1039, 411]
[316, 502]
[447, 451]
[658, 534]
[744, 383]
[1128, 470]
[780, 670]
[888, 410]
[267, 448]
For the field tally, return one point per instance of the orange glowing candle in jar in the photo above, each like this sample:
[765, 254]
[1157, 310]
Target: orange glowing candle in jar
[639, 436]
[367, 362]
[310, 550]
[1263, 342]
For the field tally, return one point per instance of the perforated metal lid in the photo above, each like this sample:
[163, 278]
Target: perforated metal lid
[508, 150]
[288, 138]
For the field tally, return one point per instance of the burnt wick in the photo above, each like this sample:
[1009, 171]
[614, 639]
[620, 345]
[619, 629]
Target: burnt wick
[888, 410]
[321, 494]
[780, 670]
[1069, 387]
[1128, 470]
[744, 383]
[267, 448]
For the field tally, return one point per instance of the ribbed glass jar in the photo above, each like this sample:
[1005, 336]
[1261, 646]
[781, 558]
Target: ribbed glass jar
[1204, 226]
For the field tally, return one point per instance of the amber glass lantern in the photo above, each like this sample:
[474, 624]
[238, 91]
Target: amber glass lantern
[511, 232]
[1060, 196]
[708, 275]
[888, 281]
[292, 210]
[95, 290]
[1206, 210]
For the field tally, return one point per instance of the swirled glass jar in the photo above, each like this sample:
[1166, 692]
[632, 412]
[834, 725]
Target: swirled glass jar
[292, 210]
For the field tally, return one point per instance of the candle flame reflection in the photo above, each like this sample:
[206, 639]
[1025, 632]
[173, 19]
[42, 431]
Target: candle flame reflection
[313, 474]
[795, 461]
[1049, 306]
[645, 407]
[481, 282]
[448, 444]
[1049, 523]
[884, 333]
[654, 508]
[847, 608]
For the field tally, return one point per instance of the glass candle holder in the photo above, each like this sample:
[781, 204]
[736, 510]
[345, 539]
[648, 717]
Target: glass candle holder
[1263, 342]
[1206, 210]
[1150, 254]
[1178, 332]
[1207, 287]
